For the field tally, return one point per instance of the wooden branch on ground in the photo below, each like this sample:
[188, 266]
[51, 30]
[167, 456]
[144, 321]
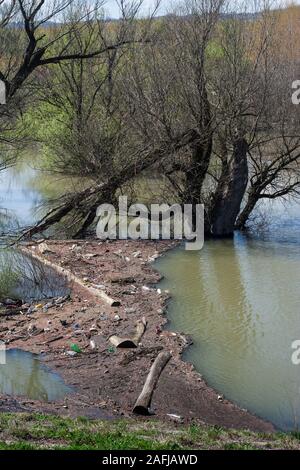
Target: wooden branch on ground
[143, 402]
[134, 341]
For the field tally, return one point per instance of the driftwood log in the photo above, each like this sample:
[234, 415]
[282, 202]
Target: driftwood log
[134, 341]
[142, 405]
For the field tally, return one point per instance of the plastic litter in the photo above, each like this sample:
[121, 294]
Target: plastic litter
[75, 348]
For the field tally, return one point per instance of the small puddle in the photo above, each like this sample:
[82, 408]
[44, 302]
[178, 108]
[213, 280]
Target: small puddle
[24, 374]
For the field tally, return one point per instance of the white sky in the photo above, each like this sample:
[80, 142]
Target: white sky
[112, 9]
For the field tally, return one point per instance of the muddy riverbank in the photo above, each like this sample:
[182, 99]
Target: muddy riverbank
[106, 381]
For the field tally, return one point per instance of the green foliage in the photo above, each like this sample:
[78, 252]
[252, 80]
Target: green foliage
[214, 50]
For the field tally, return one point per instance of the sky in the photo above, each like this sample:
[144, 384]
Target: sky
[112, 9]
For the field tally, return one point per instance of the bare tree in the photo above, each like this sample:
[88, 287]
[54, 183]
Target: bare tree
[240, 75]
[41, 49]
[255, 144]
[167, 92]
[37, 34]
[158, 120]
[205, 101]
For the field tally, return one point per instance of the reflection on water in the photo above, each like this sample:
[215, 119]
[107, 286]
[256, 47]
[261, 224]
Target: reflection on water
[239, 299]
[18, 197]
[30, 279]
[21, 198]
[25, 375]
[24, 190]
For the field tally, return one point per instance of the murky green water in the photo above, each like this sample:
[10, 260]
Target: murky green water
[240, 301]
[24, 374]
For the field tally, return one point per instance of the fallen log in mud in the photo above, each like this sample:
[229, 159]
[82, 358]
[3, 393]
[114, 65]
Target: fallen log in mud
[133, 342]
[142, 405]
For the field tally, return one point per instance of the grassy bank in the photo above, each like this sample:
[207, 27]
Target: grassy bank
[24, 431]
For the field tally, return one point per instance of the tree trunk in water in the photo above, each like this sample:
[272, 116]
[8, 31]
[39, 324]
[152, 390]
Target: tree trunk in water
[230, 192]
[195, 175]
[246, 212]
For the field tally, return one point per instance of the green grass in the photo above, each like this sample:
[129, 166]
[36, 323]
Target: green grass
[35, 431]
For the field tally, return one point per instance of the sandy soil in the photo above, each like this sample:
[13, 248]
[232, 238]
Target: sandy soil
[107, 381]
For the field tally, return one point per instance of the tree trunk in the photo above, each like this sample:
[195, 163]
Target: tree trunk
[246, 212]
[201, 154]
[230, 192]
[195, 175]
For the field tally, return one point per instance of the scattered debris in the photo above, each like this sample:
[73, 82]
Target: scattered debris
[10, 302]
[130, 310]
[103, 317]
[176, 418]
[98, 342]
[62, 300]
[31, 309]
[71, 353]
[122, 279]
[90, 255]
[44, 249]
[136, 338]
[99, 286]
[75, 348]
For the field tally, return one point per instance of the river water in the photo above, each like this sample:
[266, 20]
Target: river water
[239, 299]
